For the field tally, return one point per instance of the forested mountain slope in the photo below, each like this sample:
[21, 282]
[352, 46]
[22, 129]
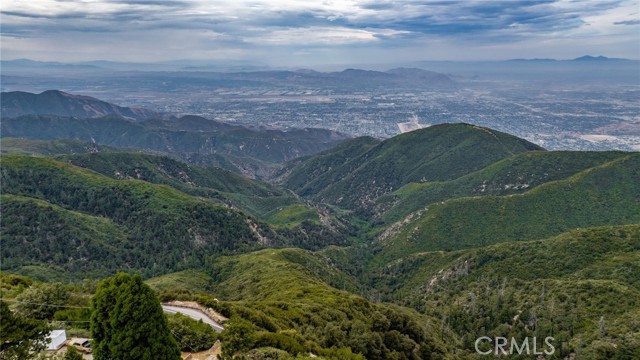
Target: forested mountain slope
[310, 174]
[607, 194]
[513, 175]
[281, 299]
[581, 287]
[437, 153]
[259, 199]
[21, 146]
[159, 229]
[193, 139]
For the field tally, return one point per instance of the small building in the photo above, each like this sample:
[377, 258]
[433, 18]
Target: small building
[57, 339]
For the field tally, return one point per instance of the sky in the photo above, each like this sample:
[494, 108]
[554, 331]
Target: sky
[309, 32]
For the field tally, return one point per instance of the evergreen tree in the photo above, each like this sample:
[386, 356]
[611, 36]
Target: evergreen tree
[127, 322]
[20, 336]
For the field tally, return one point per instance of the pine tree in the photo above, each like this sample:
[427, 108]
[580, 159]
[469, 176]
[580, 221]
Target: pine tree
[127, 322]
[19, 336]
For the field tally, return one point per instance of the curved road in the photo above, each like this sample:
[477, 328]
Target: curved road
[194, 314]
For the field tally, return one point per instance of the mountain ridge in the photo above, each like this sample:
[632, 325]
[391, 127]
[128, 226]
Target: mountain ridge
[60, 103]
[194, 139]
[605, 194]
[439, 152]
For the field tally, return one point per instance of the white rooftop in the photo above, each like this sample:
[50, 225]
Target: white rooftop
[56, 333]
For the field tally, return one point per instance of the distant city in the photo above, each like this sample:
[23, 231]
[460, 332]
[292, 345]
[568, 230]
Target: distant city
[574, 105]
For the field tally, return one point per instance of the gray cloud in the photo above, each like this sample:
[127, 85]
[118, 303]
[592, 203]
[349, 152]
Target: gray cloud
[161, 3]
[627, 22]
[297, 25]
[23, 14]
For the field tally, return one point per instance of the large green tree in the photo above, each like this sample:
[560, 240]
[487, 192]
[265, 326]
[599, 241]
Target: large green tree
[191, 335]
[19, 336]
[127, 322]
[42, 301]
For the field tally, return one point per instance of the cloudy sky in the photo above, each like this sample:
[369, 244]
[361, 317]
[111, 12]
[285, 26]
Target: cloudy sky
[310, 32]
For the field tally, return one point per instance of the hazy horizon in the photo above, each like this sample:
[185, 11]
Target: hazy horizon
[460, 68]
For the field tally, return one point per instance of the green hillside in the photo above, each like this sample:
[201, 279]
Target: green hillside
[196, 281]
[47, 148]
[513, 175]
[163, 170]
[236, 164]
[310, 174]
[282, 299]
[46, 241]
[165, 230]
[437, 153]
[259, 199]
[604, 195]
[560, 286]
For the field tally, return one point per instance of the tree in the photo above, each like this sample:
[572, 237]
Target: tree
[20, 336]
[237, 336]
[42, 301]
[127, 322]
[72, 354]
[191, 335]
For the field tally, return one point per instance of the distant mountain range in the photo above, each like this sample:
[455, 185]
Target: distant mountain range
[346, 79]
[191, 65]
[59, 103]
[349, 78]
[578, 59]
[28, 63]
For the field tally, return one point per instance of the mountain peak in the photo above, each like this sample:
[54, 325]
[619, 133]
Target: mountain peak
[596, 58]
[60, 93]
